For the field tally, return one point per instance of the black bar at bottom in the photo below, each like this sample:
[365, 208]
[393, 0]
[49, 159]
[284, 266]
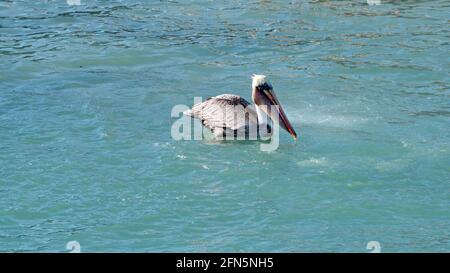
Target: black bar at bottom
[223, 262]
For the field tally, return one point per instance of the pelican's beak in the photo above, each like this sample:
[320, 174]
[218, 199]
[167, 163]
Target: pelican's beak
[275, 111]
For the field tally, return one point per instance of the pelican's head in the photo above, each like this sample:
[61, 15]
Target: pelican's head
[263, 95]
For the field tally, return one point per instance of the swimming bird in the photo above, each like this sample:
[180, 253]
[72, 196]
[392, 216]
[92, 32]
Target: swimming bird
[230, 116]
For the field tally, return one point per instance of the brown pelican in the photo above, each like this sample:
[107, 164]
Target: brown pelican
[232, 117]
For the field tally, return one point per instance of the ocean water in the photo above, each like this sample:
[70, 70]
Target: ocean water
[86, 153]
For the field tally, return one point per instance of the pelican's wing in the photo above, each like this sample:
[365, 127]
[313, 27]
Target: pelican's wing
[225, 112]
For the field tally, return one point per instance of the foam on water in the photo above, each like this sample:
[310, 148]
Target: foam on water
[328, 120]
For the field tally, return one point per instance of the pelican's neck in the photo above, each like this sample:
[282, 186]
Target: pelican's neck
[263, 118]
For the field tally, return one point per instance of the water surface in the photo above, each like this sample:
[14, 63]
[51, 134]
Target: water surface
[86, 94]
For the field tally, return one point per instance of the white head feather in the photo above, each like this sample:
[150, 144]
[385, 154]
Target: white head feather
[258, 80]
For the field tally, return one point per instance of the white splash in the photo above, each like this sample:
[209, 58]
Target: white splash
[73, 2]
[341, 121]
[374, 2]
[313, 162]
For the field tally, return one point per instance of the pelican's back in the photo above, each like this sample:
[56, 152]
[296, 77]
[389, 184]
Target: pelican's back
[226, 115]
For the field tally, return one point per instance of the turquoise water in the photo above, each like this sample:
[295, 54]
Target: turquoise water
[86, 94]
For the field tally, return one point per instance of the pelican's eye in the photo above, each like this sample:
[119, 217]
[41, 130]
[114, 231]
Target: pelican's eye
[265, 86]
